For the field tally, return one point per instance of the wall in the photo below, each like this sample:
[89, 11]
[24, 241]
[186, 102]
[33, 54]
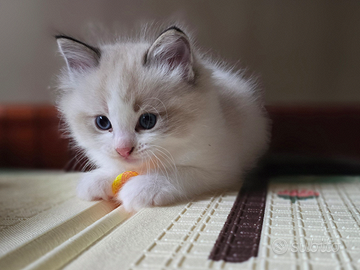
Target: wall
[302, 51]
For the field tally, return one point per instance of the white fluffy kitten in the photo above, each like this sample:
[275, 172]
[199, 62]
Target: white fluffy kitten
[187, 125]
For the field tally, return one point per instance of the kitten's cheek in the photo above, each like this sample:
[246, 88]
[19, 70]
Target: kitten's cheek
[108, 150]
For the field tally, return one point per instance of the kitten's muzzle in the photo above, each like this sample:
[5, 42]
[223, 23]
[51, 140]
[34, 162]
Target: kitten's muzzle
[125, 151]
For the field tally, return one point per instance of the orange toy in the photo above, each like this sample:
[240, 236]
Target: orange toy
[121, 179]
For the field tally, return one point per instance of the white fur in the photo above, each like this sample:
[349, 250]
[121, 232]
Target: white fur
[223, 138]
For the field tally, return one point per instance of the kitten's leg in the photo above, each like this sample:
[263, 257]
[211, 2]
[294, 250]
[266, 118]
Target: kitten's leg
[158, 189]
[96, 185]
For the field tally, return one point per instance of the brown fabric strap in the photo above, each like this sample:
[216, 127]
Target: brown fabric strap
[239, 239]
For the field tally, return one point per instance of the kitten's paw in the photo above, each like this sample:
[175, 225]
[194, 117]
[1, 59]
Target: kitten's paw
[146, 190]
[94, 186]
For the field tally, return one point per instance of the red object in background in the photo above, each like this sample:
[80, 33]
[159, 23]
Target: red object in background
[295, 194]
[30, 136]
[323, 131]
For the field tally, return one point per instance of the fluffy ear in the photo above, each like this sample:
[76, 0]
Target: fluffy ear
[78, 55]
[172, 50]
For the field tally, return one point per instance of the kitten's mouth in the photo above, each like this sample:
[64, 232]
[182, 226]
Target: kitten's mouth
[130, 159]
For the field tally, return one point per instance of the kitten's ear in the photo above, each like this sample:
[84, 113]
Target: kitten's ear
[172, 50]
[78, 55]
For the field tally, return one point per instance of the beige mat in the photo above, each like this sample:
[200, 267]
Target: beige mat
[44, 226]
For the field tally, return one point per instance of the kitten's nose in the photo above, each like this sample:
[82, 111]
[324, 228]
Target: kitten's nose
[125, 151]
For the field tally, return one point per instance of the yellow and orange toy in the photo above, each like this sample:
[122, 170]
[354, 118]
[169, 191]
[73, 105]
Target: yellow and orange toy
[121, 179]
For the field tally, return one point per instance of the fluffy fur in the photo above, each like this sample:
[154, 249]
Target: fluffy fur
[210, 126]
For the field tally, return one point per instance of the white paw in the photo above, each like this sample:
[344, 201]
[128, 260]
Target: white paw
[94, 186]
[145, 191]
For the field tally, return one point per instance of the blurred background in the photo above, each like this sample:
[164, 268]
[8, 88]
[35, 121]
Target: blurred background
[304, 53]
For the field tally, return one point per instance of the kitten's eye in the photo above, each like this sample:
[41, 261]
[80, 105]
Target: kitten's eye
[102, 122]
[147, 120]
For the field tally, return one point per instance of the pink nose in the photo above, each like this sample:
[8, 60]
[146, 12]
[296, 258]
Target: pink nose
[125, 152]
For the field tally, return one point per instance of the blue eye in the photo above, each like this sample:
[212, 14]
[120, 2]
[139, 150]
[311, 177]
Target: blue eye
[102, 122]
[147, 121]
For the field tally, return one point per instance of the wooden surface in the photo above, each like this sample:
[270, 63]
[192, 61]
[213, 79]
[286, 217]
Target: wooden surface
[30, 136]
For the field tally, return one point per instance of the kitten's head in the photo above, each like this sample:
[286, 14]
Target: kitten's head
[131, 104]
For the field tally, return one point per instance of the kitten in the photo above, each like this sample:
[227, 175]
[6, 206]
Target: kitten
[185, 124]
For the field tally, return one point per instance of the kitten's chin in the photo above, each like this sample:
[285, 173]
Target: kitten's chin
[137, 164]
[132, 162]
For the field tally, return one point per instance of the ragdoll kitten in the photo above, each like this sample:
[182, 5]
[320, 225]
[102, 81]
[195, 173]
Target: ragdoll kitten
[160, 108]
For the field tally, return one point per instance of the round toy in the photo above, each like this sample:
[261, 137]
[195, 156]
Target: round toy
[121, 179]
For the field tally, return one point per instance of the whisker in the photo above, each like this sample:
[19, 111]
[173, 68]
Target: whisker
[148, 163]
[168, 160]
[168, 157]
[79, 156]
[163, 165]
